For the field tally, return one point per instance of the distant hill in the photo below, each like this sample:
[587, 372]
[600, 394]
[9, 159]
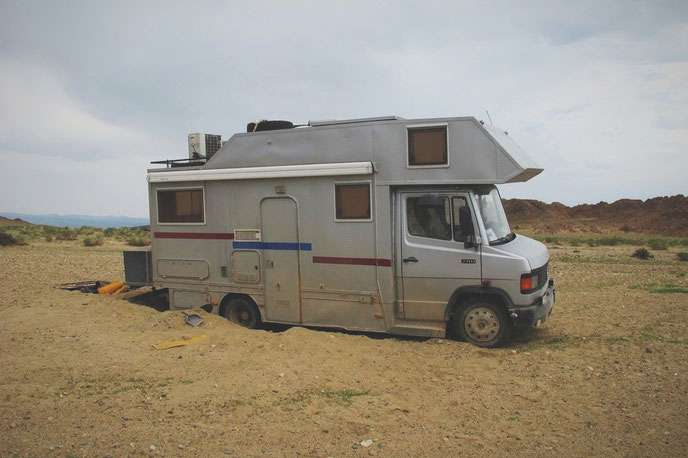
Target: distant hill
[74, 220]
[4, 220]
[667, 216]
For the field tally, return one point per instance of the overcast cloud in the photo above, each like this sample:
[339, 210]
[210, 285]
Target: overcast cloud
[91, 92]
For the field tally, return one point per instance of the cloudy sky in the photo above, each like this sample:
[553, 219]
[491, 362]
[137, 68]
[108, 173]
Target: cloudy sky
[91, 92]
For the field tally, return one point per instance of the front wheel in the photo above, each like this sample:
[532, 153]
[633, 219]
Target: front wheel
[243, 312]
[482, 323]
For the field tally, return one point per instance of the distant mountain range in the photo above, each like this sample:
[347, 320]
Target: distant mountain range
[667, 216]
[79, 220]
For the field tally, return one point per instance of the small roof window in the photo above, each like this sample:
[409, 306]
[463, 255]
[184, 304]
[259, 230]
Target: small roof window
[427, 146]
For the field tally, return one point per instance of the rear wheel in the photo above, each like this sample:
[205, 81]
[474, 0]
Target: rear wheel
[243, 312]
[482, 323]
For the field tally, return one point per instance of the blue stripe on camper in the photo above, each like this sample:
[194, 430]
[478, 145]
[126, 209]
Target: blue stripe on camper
[273, 246]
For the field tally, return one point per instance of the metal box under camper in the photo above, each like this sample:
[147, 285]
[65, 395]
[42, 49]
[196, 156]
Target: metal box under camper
[381, 224]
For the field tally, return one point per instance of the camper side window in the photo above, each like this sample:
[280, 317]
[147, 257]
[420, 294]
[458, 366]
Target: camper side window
[180, 206]
[427, 146]
[352, 202]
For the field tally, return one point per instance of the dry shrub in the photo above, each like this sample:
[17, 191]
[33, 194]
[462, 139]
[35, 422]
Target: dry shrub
[641, 253]
[7, 239]
[95, 240]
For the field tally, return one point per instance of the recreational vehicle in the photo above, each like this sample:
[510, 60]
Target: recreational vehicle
[381, 224]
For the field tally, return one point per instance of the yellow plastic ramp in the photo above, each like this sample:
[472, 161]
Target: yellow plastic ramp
[110, 287]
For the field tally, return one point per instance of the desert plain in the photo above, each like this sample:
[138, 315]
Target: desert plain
[606, 375]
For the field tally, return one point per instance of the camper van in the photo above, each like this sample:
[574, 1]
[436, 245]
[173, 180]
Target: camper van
[382, 225]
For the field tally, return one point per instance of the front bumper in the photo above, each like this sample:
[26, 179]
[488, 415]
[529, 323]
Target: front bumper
[537, 313]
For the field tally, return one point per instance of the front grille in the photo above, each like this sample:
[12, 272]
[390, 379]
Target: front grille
[542, 274]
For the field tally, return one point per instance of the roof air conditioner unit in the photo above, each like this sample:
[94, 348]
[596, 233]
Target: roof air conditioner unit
[203, 145]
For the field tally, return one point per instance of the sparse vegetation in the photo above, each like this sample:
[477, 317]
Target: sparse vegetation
[617, 340]
[682, 256]
[668, 288]
[649, 336]
[655, 243]
[610, 241]
[557, 343]
[345, 396]
[641, 253]
[658, 244]
[140, 239]
[65, 233]
[21, 239]
[95, 240]
[7, 239]
[24, 234]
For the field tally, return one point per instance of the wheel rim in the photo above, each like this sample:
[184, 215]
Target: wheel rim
[482, 324]
[242, 316]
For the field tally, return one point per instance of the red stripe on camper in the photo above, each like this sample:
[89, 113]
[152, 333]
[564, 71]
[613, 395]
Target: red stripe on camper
[195, 235]
[352, 261]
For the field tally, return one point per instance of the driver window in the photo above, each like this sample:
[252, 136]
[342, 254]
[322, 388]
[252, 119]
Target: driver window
[429, 216]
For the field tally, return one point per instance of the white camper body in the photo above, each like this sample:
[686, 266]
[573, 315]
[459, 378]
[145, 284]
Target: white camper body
[382, 224]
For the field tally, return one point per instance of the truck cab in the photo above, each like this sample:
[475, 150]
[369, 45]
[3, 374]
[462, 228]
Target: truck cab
[459, 260]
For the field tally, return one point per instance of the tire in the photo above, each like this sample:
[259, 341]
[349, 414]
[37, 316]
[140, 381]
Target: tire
[483, 323]
[268, 125]
[243, 312]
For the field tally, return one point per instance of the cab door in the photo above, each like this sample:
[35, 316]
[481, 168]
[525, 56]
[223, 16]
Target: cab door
[433, 258]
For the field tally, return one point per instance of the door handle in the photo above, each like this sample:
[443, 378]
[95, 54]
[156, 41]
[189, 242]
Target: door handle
[411, 259]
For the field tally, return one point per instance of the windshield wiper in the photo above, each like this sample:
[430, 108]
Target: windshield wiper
[502, 240]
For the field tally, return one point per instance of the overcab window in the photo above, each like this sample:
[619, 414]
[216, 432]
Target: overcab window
[427, 146]
[180, 206]
[352, 201]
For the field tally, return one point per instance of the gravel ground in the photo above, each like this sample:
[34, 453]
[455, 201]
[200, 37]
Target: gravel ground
[606, 375]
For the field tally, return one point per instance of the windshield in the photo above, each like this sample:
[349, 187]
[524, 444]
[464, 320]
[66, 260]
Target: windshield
[492, 213]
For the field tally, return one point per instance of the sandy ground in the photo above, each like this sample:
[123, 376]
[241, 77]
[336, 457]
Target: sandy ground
[606, 375]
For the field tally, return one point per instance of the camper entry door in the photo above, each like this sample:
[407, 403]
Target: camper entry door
[281, 247]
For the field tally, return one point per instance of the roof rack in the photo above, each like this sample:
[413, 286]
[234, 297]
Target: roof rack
[332, 122]
[187, 162]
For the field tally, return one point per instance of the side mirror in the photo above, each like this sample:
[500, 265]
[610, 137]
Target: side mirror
[466, 223]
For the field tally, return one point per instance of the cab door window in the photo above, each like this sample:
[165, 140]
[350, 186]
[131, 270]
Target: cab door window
[429, 216]
[436, 217]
